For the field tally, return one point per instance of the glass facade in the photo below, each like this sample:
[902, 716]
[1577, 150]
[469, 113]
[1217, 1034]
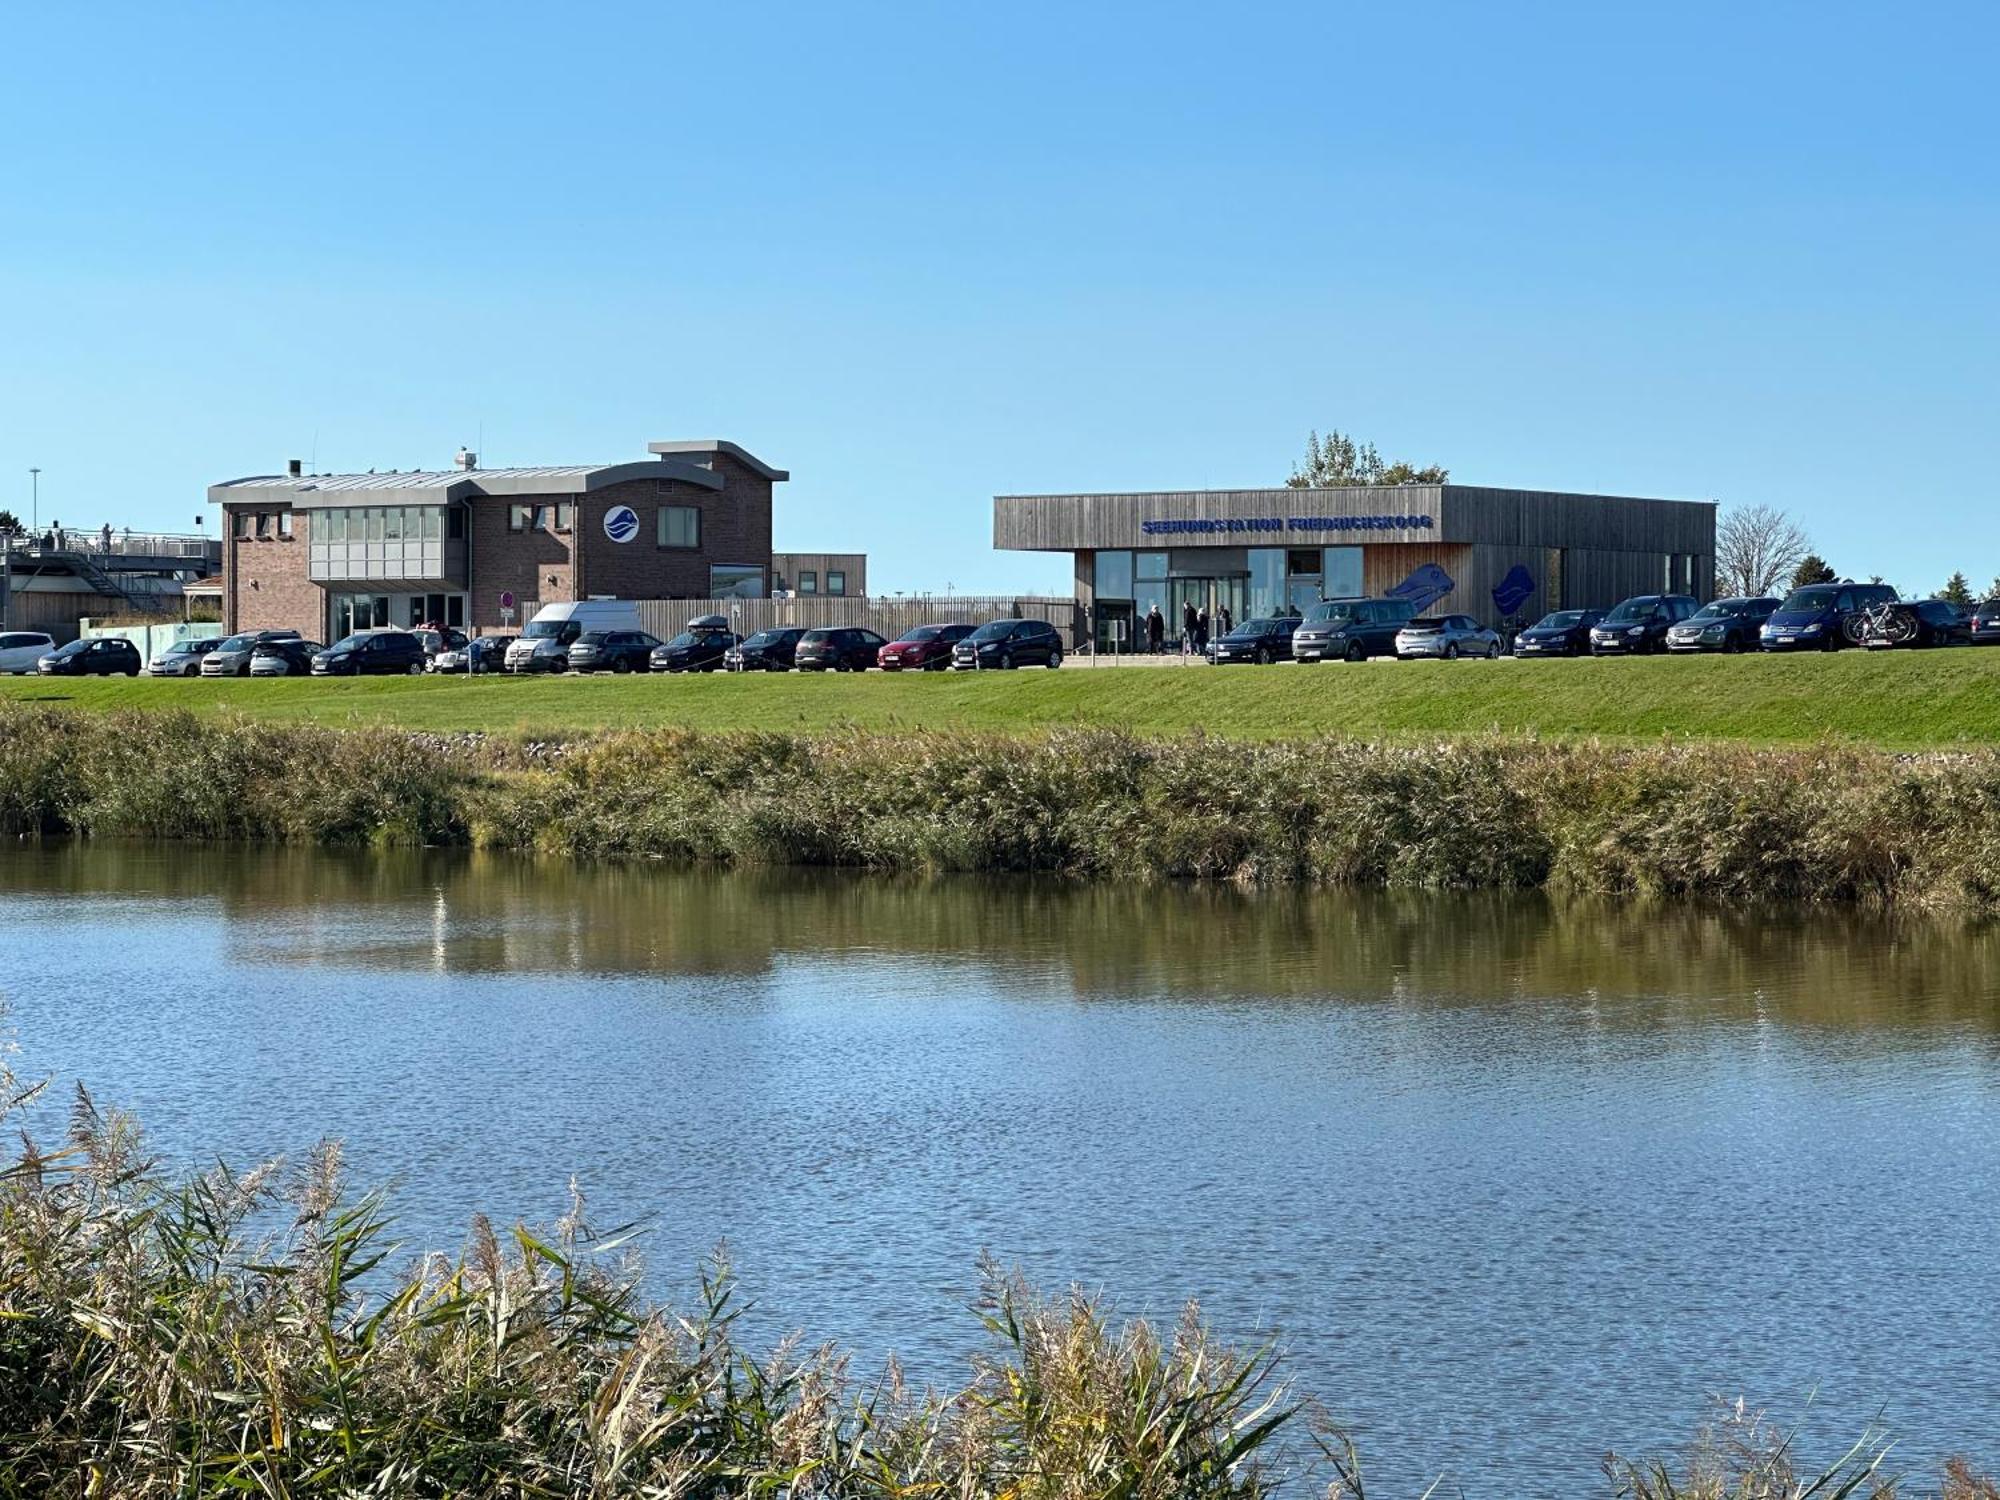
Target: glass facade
[1112, 575]
[347, 613]
[400, 543]
[1267, 594]
[735, 581]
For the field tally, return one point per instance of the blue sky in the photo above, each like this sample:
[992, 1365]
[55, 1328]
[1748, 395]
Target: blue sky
[921, 255]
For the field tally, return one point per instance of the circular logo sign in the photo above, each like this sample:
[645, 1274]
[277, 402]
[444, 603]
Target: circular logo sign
[621, 523]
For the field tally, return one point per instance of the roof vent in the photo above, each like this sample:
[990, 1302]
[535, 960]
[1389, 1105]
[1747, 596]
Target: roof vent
[467, 459]
[295, 467]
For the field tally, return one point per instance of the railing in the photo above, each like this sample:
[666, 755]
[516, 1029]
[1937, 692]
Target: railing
[67, 539]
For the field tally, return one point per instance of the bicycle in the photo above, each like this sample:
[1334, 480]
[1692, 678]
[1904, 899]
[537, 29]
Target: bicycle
[1890, 621]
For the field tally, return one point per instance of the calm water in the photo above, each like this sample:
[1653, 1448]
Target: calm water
[1511, 1183]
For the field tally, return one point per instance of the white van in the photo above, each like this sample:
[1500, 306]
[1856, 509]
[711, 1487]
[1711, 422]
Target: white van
[20, 650]
[545, 640]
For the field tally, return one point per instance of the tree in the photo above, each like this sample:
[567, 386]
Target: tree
[1756, 546]
[1812, 569]
[1957, 591]
[10, 523]
[1338, 460]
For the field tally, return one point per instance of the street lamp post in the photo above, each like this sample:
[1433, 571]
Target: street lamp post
[35, 500]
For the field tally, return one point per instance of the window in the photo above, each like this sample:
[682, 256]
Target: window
[285, 524]
[454, 524]
[240, 523]
[735, 581]
[517, 517]
[433, 523]
[392, 524]
[1267, 581]
[562, 515]
[374, 522]
[836, 581]
[1150, 567]
[680, 526]
[808, 581]
[1340, 573]
[263, 524]
[331, 525]
[1112, 575]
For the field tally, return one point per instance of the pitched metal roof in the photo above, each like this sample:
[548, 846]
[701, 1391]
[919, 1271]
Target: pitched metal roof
[441, 485]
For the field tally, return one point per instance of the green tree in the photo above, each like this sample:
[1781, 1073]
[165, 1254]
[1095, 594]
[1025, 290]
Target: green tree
[1957, 591]
[1994, 591]
[1337, 460]
[1814, 569]
[10, 523]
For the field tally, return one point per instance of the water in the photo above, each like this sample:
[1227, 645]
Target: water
[1511, 1183]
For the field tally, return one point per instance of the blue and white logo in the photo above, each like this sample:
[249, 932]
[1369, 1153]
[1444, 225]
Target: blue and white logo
[621, 523]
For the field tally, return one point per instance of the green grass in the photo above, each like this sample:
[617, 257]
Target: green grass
[1908, 700]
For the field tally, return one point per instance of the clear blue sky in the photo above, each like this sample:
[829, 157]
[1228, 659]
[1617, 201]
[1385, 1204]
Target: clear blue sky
[921, 255]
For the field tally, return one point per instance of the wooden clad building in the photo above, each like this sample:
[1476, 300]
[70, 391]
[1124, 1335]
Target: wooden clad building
[1273, 551]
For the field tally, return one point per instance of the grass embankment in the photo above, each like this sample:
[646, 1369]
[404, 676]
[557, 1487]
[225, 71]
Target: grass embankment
[260, 1332]
[1905, 700]
[1720, 821]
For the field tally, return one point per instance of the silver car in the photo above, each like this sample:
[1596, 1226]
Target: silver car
[181, 659]
[231, 658]
[1448, 636]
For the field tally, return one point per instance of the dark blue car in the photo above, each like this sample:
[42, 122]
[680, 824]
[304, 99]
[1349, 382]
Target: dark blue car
[1821, 616]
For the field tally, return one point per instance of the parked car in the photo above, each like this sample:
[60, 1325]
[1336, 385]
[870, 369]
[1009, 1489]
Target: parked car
[1640, 624]
[1562, 632]
[487, 653]
[1922, 622]
[612, 651]
[182, 658]
[1258, 641]
[1986, 624]
[1448, 636]
[22, 650]
[371, 653]
[766, 651]
[1821, 616]
[694, 651]
[1350, 629]
[291, 658]
[924, 649]
[103, 656]
[434, 641]
[1008, 644]
[231, 658]
[544, 642]
[846, 648]
[1721, 625]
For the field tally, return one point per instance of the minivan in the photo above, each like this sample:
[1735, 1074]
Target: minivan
[1820, 616]
[545, 640]
[1009, 643]
[372, 653]
[21, 649]
[1350, 629]
[1640, 624]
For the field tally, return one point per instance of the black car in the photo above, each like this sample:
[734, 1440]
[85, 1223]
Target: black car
[371, 653]
[1640, 624]
[293, 658]
[1007, 644]
[694, 651]
[844, 648]
[612, 651]
[766, 651]
[1562, 632]
[106, 656]
[1925, 622]
[1986, 624]
[1722, 625]
[1258, 641]
[1821, 616]
[1350, 629]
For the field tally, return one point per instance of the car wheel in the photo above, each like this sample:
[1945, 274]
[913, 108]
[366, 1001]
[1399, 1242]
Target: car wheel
[416, 669]
[1006, 661]
[1355, 652]
[1055, 659]
[1451, 651]
[1263, 656]
[619, 664]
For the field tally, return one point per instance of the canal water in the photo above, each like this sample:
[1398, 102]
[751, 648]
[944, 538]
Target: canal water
[1509, 1182]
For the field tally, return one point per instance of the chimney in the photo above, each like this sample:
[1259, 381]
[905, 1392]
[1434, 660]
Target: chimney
[295, 467]
[466, 460]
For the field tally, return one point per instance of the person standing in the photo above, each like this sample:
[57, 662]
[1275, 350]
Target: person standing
[1187, 627]
[1156, 629]
[1201, 630]
[1225, 622]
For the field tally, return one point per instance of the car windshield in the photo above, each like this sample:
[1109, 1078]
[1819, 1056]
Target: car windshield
[921, 633]
[1333, 609]
[1562, 619]
[994, 630]
[74, 648]
[685, 638]
[764, 638]
[238, 643]
[593, 638]
[184, 648]
[349, 643]
[1632, 612]
[1811, 600]
[815, 637]
[543, 630]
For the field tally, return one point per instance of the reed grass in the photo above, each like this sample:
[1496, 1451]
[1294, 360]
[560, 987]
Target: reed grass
[1723, 822]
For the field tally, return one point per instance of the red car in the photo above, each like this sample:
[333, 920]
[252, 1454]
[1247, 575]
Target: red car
[925, 649]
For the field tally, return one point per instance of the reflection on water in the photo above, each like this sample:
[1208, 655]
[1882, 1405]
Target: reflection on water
[1512, 1180]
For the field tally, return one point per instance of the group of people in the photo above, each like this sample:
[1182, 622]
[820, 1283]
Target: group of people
[1194, 628]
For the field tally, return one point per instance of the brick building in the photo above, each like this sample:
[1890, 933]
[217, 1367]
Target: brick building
[325, 554]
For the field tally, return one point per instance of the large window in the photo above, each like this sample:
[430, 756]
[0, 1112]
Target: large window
[735, 581]
[1267, 594]
[808, 581]
[836, 581]
[680, 526]
[1341, 576]
[1113, 575]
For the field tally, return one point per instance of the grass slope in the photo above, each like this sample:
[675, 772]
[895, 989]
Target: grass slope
[1901, 700]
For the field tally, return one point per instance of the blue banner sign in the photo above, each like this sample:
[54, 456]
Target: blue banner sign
[1514, 590]
[1426, 584]
[1288, 523]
